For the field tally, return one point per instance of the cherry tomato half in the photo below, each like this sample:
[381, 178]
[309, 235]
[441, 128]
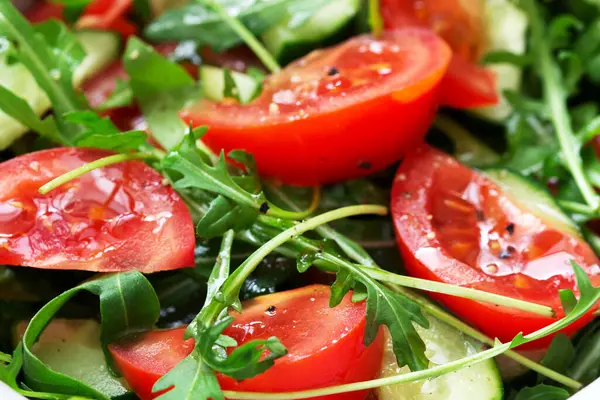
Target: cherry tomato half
[99, 14]
[460, 23]
[116, 218]
[337, 113]
[325, 346]
[454, 225]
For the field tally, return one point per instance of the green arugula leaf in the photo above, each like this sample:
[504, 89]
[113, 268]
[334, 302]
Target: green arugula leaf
[222, 215]
[190, 379]
[196, 172]
[72, 8]
[199, 22]
[51, 53]
[120, 298]
[543, 392]
[121, 96]
[559, 356]
[243, 362]
[100, 132]
[161, 88]
[17, 108]
[585, 366]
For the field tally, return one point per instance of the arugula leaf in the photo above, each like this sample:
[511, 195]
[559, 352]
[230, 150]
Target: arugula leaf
[120, 296]
[243, 362]
[191, 378]
[192, 164]
[560, 354]
[121, 96]
[17, 108]
[51, 53]
[101, 133]
[161, 88]
[199, 22]
[222, 215]
[543, 392]
[585, 366]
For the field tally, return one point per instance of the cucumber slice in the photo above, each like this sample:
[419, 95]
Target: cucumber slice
[443, 344]
[102, 48]
[506, 31]
[286, 43]
[213, 84]
[533, 197]
[72, 347]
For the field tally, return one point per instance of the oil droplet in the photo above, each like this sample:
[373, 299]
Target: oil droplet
[491, 269]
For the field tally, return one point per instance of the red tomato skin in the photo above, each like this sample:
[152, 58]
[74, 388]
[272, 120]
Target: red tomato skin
[116, 218]
[356, 125]
[344, 361]
[329, 148]
[466, 85]
[416, 236]
[43, 11]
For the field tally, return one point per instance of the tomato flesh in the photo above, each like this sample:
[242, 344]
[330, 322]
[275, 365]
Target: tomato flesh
[325, 346]
[337, 113]
[460, 24]
[454, 225]
[98, 222]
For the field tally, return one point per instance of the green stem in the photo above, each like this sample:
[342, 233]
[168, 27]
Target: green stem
[84, 169]
[231, 287]
[248, 38]
[556, 98]
[578, 208]
[5, 358]
[458, 291]
[374, 383]
[456, 323]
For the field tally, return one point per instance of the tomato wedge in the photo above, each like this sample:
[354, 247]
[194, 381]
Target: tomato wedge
[117, 218]
[337, 113]
[99, 14]
[460, 23]
[454, 225]
[325, 346]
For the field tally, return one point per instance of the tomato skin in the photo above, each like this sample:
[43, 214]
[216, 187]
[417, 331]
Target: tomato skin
[312, 126]
[439, 243]
[99, 14]
[98, 222]
[466, 85]
[317, 358]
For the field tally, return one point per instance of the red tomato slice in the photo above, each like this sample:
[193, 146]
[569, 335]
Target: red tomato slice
[117, 218]
[337, 113]
[108, 14]
[454, 225]
[99, 14]
[459, 23]
[325, 346]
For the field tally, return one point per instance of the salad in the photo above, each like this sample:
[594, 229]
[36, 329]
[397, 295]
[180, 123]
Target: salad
[299, 199]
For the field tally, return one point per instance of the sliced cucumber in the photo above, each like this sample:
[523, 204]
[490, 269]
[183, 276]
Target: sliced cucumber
[287, 43]
[213, 84]
[443, 344]
[72, 347]
[506, 31]
[533, 197]
[102, 48]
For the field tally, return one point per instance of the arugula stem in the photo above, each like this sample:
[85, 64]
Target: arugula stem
[261, 52]
[231, 287]
[590, 131]
[556, 98]
[84, 169]
[458, 291]
[444, 316]
[578, 208]
[5, 358]
[296, 214]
